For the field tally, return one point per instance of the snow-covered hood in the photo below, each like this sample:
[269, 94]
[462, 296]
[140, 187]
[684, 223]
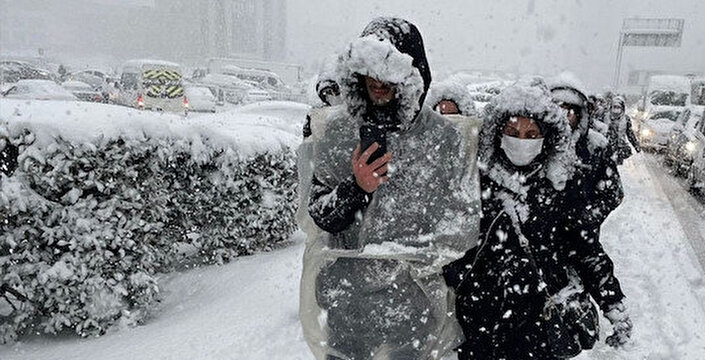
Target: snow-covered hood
[390, 50]
[556, 162]
[569, 89]
[451, 90]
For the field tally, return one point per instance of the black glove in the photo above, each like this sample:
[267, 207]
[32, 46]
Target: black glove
[621, 324]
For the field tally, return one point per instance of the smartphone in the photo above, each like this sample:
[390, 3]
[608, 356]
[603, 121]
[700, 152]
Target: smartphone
[370, 134]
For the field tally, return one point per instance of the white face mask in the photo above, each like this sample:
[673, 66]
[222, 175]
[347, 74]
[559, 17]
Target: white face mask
[521, 152]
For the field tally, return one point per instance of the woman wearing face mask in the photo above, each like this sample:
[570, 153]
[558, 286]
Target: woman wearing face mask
[503, 283]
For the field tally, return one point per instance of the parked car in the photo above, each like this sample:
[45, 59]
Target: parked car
[682, 141]
[200, 98]
[663, 92]
[262, 81]
[255, 94]
[83, 91]
[233, 89]
[656, 128]
[696, 173]
[33, 89]
[12, 71]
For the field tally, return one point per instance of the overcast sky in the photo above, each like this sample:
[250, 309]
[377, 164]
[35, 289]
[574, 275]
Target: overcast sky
[535, 36]
[518, 36]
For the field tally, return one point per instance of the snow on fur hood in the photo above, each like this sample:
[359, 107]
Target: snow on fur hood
[451, 90]
[390, 50]
[557, 159]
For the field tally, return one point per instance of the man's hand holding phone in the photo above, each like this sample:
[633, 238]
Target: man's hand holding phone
[370, 176]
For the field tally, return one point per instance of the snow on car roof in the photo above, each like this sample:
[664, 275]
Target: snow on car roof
[74, 84]
[140, 63]
[669, 82]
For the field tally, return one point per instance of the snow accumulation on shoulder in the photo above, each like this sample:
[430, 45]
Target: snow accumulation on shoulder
[88, 122]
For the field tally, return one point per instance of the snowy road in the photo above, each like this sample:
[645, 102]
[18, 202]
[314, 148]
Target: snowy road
[690, 211]
[248, 309]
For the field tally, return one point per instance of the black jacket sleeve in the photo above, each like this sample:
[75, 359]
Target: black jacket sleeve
[334, 209]
[595, 267]
[631, 136]
[606, 191]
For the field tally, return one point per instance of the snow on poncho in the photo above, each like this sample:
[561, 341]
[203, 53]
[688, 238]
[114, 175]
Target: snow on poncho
[451, 90]
[375, 287]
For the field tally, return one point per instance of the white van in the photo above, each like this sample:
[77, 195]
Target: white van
[153, 85]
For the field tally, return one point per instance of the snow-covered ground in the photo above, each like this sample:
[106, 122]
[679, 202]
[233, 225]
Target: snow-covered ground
[248, 309]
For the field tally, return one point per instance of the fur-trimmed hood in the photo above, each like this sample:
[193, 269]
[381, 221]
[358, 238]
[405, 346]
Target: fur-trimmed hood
[569, 89]
[451, 90]
[390, 50]
[557, 159]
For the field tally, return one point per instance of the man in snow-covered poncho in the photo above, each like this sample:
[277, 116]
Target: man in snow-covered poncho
[502, 285]
[452, 95]
[371, 284]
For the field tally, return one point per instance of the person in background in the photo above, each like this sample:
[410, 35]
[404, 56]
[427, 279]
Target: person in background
[620, 130]
[451, 98]
[329, 93]
[594, 191]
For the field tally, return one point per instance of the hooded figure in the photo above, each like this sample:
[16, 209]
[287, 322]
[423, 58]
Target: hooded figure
[500, 292]
[371, 284]
[454, 92]
[594, 191]
[596, 188]
[329, 93]
[621, 126]
[524, 259]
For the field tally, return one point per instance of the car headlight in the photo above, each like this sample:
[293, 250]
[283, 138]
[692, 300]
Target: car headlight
[646, 132]
[690, 146]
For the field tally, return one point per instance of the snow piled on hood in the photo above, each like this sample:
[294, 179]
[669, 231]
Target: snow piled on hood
[379, 59]
[451, 90]
[557, 160]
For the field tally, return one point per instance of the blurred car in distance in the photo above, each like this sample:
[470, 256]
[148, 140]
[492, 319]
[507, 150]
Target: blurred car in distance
[83, 91]
[200, 98]
[12, 71]
[655, 130]
[696, 171]
[33, 89]
[683, 140]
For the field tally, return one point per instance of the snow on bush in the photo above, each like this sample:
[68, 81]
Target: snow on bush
[103, 200]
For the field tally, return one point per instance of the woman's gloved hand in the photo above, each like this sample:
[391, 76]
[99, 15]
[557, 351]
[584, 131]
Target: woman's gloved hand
[621, 324]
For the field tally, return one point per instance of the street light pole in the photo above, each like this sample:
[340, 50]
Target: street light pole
[618, 68]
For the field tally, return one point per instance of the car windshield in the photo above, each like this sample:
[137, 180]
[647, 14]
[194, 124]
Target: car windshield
[668, 98]
[669, 114]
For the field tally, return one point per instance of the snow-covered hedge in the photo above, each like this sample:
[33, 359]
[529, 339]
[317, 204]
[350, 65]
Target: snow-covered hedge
[95, 211]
